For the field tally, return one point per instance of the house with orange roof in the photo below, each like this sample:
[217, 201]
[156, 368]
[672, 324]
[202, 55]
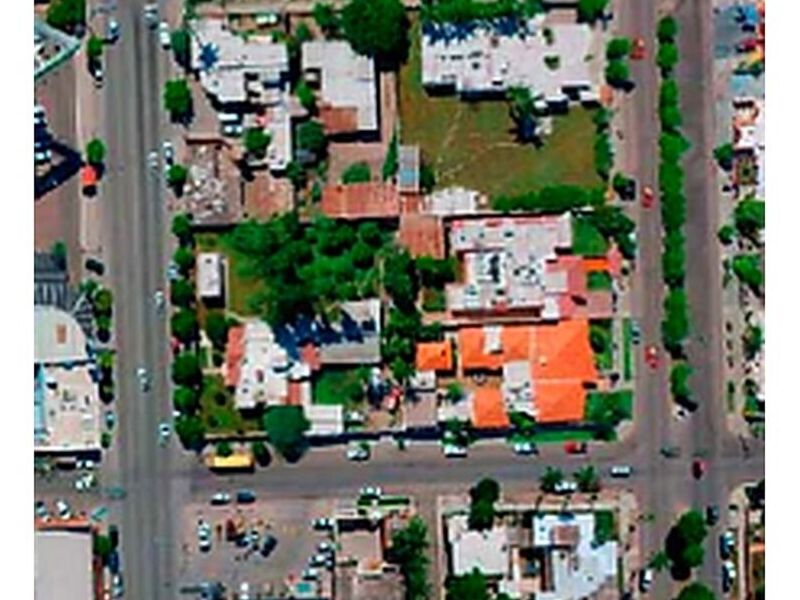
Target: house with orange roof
[489, 409]
[366, 200]
[432, 358]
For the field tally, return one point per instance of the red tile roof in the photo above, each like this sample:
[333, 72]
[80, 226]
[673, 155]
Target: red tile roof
[471, 348]
[338, 119]
[234, 352]
[422, 235]
[360, 200]
[560, 402]
[488, 409]
[435, 356]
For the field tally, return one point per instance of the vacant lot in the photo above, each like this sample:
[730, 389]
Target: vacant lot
[472, 143]
[240, 287]
[218, 411]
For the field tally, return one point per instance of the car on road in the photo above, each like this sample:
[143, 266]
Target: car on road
[358, 451]
[698, 468]
[144, 379]
[565, 486]
[670, 451]
[159, 300]
[524, 447]
[323, 524]
[169, 152]
[173, 272]
[164, 431]
[325, 547]
[152, 160]
[63, 510]
[573, 447]
[110, 419]
[648, 197]
[42, 157]
[369, 491]
[41, 510]
[651, 356]
[712, 514]
[645, 580]
[244, 591]
[113, 561]
[151, 14]
[203, 536]
[98, 75]
[310, 574]
[636, 333]
[319, 560]
[245, 497]
[117, 586]
[621, 471]
[268, 544]
[727, 542]
[638, 49]
[164, 35]
[112, 31]
[220, 499]
[454, 451]
[39, 116]
[95, 266]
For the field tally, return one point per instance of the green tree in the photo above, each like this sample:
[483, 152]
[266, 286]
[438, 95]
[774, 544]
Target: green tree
[186, 370]
[550, 479]
[675, 326]
[618, 48]
[590, 11]
[182, 229]
[184, 259]
[296, 174]
[377, 28]
[747, 267]
[357, 173]
[667, 29]
[723, 154]
[311, 140]
[94, 48]
[302, 34]
[659, 561]
[217, 325]
[696, 591]
[588, 479]
[400, 280]
[224, 449]
[618, 74]
[59, 253]
[693, 555]
[483, 496]
[726, 234]
[668, 94]
[181, 293]
[679, 380]
[286, 427]
[749, 218]
[191, 431]
[472, 586]
[603, 155]
[670, 117]
[673, 261]
[103, 302]
[390, 164]
[522, 110]
[752, 341]
[261, 453]
[178, 99]
[435, 273]
[176, 177]
[102, 547]
[66, 14]
[306, 96]
[667, 57]
[185, 400]
[327, 19]
[184, 325]
[95, 152]
[409, 551]
[427, 177]
[672, 146]
[692, 527]
[256, 142]
[182, 47]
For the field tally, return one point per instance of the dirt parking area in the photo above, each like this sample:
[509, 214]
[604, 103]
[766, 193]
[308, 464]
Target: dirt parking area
[289, 521]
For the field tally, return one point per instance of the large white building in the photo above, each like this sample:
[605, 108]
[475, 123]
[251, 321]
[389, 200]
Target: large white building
[63, 564]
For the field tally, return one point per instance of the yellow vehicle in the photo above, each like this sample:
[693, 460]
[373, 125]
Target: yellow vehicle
[238, 461]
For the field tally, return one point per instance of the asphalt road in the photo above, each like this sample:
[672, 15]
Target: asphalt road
[137, 222]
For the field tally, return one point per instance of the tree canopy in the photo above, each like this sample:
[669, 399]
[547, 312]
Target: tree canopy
[551, 478]
[186, 370]
[178, 99]
[186, 400]
[256, 142]
[177, 176]
[217, 325]
[696, 591]
[286, 427]
[327, 19]
[378, 29]
[181, 47]
[483, 496]
[182, 229]
[590, 11]
[675, 326]
[94, 47]
[191, 432]
[66, 14]
[667, 29]
[181, 293]
[357, 173]
[749, 217]
[311, 141]
[184, 259]
[184, 325]
[95, 152]
[409, 551]
[472, 585]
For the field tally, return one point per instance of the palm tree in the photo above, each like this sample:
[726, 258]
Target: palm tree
[551, 478]
[522, 110]
[587, 479]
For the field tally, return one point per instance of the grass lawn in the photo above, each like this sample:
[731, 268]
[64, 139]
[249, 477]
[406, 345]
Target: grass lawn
[563, 435]
[627, 357]
[472, 143]
[217, 410]
[240, 288]
[341, 386]
[605, 526]
[604, 354]
[598, 280]
[586, 239]
[597, 402]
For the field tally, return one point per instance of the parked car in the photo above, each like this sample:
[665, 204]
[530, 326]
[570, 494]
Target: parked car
[164, 35]
[164, 431]
[41, 510]
[621, 471]
[369, 491]
[159, 300]
[319, 560]
[322, 524]
[113, 561]
[169, 152]
[524, 448]
[648, 197]
[244, 591]
[245, 497]
[117, 586]
[670, 451]
[698, 468]
[326, 547]
[98, 75]
[645, 579]
[95, 266]
[310, 574]
[712, 514]
[636, 333]
[42, 157]
[151, 14]
[110, 419]
[565, 486]
[358, 451]
[727, 542]
[63, 510]
[39, 115]
[173, 272]
[204, 536]
[112, 31]
[268, 544]
[454, 451]
[637, 49]
[573, 447]
[220, 499]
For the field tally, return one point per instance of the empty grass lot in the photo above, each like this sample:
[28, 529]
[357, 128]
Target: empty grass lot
[240, 288]
[218, 412]
[472, 143]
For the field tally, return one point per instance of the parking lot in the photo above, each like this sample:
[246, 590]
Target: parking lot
[232, 563]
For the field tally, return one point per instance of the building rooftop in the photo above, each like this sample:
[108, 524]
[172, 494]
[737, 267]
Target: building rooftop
[63, 564]
[408, 165]
[355, 338]
[209, 275]
[422, 234]
[485, 550]
[453, 201]
[475, 58]
[434, 356]
[347, 82]
[489, 409]
[369, 200]
[58, 338]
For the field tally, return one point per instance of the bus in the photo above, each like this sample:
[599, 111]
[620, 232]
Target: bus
[238, 461]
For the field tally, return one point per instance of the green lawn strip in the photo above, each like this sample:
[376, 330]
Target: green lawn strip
[563, 435]
[627, 357]
[598, 281]
[604, 357]
[341, 386]
[218, 411]
[472, 144]
[586, 239]
[605, 526]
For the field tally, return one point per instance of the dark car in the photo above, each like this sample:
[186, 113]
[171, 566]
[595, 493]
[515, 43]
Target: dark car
[113, 562]
[95, 266]
[245, 497]
[712, 515]
[268, 544]
[113, 535]
[698, 468]
[727, 583]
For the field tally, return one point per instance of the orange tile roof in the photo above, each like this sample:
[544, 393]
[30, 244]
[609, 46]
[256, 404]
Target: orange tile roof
[516, 342]
[488, 409]
[234, 352]
[360, 200]
[470, 344]
[559, 401]
[591, 265]
[422, 235]
[562, 351]
[435, 356]
[338, 119]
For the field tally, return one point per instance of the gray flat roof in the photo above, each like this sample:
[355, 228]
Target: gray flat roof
[63, 565]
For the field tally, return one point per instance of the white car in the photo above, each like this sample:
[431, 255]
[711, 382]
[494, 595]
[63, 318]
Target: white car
[319, 560]
[41, 510]
[164, 35]
[524, 448]
[322, 524]
[63, 509]
[204, 536]
[85, 482]
[454, 451]
[144, 379]
[645, 580]
[164, 431]
[158, 299]
[112, 31]
[173, 273]
[621, 471]
[310, 574]
[151, 14]
[358, 451]
[244, 591]
[325, 547]
[42, 157]
[39, 117]
[370, 492]
[117, 587]
[152, 160]
[168, 151]
[99, 76]
[565, 486]
[220, 499]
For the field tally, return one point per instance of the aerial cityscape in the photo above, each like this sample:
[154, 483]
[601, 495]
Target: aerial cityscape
[399, 299]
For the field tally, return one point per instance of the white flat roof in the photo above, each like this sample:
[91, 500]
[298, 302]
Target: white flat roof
[63, 565]
[209, 274]
[66, 409]
[349, 80]
[485, 550]
[57, 336]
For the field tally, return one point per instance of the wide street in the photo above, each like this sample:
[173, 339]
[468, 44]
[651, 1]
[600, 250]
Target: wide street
[157, 479]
